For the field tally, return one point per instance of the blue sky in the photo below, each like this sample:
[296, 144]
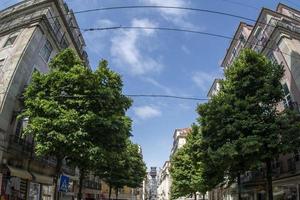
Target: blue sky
[158, 62]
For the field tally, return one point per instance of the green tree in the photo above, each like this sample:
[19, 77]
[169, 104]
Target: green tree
[242, 120]
[233, 152]
[189, 175]
[74, 112]
[181, 165]
[124, 169]
[209, 173]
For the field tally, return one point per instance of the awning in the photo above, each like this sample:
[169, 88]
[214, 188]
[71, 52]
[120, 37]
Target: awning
[91, 191]
[19, 173]
[43, 179]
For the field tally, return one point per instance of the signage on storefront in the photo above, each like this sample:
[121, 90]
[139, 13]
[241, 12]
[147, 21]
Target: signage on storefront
[64, 183]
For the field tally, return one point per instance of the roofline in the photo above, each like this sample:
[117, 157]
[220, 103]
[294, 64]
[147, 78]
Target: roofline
[215, 80]
[285, 5]
[178, 129]
[241, 24]
[270, 11]
[253, 26]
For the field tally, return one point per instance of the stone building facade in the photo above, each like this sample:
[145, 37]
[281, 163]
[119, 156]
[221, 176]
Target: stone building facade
[276, 34]
[31, 33]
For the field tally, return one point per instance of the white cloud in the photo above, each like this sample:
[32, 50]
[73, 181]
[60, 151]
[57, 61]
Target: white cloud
[203, 80]
[164, 88]
[185, 49]
[146, 112]
[96, 40]
[176, 16]
[127, 49]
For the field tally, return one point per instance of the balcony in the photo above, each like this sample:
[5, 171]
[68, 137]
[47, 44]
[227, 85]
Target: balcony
[20, 144]
[91, 185]
[291, 164]
[253, 176]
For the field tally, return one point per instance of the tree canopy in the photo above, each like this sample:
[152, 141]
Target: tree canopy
[242, 124]
[76, 113]
[190, 174]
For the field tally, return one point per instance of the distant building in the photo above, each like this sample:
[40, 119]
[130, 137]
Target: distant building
[150, 185]
[164, 182]
[179, 138]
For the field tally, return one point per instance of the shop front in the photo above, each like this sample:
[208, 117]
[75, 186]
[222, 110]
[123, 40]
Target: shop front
[285, 192]
[15, 182]
[41, 187]
[287, 188]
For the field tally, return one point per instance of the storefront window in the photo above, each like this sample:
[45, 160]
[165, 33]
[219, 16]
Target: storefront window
[288, 192]
[13, 188]
[34, 191]
[47, 192]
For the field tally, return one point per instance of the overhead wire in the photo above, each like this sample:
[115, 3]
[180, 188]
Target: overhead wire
[134, 96]
[187, 31]
[164, 7]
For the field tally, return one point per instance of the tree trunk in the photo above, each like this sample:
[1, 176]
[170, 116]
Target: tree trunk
[195, 196]
[269, 179]
[203, 195]
[81, 177]
[109, 194]
[239, 186]
[117, 193]
[56, 178]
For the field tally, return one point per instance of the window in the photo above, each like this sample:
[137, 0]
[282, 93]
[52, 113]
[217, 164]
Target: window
[272, 58]
[287, 101]
[242, 38]
[11, 39]
[46, 51]
[257, 32]
[234, 52]
[64, 42]
[1, 70]
[56, 26]
[1, 63]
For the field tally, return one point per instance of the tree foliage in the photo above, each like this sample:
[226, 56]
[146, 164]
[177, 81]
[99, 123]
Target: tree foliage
[76, 113]
[242, 124]
[125, 168]
[190, 174]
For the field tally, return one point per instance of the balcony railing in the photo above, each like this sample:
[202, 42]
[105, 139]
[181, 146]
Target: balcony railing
[91, 184]
[21, 144]
[253, 176]
[291, 164]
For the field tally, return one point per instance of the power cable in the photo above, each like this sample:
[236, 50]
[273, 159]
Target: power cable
[158, 28]
[165, 7]
[166, 96]
[169, 7]
[134, 96]
[188, 31]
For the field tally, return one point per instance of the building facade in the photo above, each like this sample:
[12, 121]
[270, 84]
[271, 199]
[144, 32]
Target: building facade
[164, 178]
[31, 33]
[276, 34]
[164, 182]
